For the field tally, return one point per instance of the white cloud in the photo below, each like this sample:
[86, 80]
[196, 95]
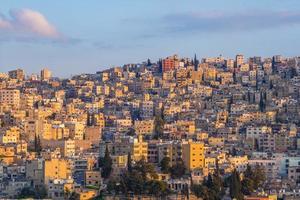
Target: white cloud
[215, 21]
[27, 24]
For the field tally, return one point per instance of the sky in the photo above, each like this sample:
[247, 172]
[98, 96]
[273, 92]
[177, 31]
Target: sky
[73, 36]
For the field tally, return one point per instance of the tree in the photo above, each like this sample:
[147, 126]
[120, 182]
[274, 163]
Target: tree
[142, 179]
[196, 63]
[157, 188]
[256, 144]
[178, 170]
[233, 76]
[26, 192]
[235, 186]
[274, 68]
[253, 179]
[160, 66]
[212, 185]
[247, 182]
[145, 169]
[247, 186]
[165, 165]
[107, 164]
[262, 104]
[36, 193]
[149, 62]
[37, 144]
[113, 186]
[129, 162]
[41, 192]
[208, 181]
[74, 196]
[134, 182]
[67, 193]
[200, 191]
[158, 126]
[259, 177]
[218, 184]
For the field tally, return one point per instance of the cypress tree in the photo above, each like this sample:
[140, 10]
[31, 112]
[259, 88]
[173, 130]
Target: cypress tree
[107, 164]
[160, 66]
[149, 62]
[273, 64]
[196, 62]
[209, 181]
[235, 186]
[37, 144]
[158, 126]
[262, 105]
[218, 185]
[129, 162]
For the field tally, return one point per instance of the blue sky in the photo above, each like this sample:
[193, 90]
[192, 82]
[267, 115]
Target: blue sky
[75, 36]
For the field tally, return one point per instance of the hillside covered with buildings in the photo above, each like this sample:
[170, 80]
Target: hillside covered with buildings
[211, 128]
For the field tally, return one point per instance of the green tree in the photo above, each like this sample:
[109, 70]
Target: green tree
[41, 192]
[113, 186]
[158, 127]
[259, 177]
[74, 196]
[67, 193]
[37, 144]
[200, 191]
[196, 63]
[218, 183]
[146, 169]
[134, 182]
[157, 188]
[142, 179]
[160, 66]
[165, 165]
[235, 186]
[262, 105]
[149, 62]
[129, 162]
[248, 182]
[36, 193]
[208, 182]
[107, 164]
[213, 185]
[26, 192]
[178, 170]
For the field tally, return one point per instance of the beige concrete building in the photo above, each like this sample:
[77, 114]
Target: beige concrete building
[46, 74]
[193, 154]
[10, 98]
[139, 148]
[56, 169]
[18, 74]
[144, 127]
[12, 135]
